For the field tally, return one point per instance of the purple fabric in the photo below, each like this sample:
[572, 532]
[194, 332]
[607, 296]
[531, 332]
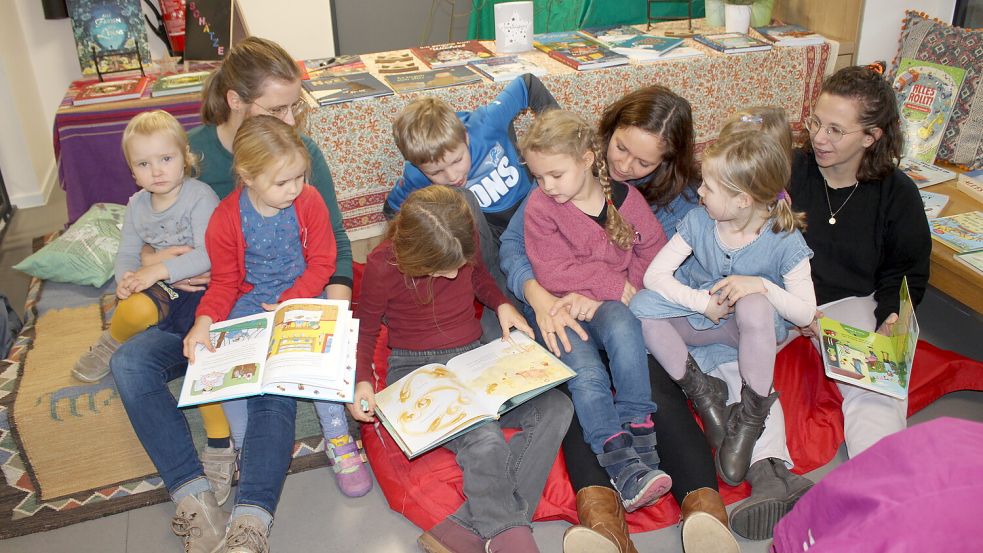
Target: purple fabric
[917, 490]
[87, 143]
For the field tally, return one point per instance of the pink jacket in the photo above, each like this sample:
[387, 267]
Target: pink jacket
[570, 252]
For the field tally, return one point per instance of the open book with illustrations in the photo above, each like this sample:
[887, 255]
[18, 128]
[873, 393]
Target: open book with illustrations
[436, 403]
[304, 348]
[871, 360]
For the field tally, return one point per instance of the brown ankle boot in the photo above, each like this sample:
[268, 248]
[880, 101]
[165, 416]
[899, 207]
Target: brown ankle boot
[603, 528]
[705, 523]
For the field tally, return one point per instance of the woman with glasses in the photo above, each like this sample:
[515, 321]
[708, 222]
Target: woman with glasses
[257, 77]
[866, 225]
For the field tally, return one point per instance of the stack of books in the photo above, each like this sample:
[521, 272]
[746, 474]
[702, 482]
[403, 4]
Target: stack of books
[732, 43]
[790, 35]
[578, 50]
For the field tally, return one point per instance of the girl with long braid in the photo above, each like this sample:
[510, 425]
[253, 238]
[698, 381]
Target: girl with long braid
[587, 234]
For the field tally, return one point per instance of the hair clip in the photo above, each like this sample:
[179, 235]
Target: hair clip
[878, 67]
[748, 118]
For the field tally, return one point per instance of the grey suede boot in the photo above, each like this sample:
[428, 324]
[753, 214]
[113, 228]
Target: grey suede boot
[745, 423]
[774, 491]
[709, 397]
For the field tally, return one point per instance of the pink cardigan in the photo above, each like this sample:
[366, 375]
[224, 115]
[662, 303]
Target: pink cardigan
[570, 252]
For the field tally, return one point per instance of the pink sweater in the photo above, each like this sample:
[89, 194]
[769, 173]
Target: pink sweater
[570, 252]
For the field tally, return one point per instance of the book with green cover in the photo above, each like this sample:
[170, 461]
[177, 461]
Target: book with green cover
[926, 93]
[870, 360]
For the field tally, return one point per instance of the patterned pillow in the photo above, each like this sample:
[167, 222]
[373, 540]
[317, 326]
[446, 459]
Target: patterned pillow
[85, 253]
[927, 39]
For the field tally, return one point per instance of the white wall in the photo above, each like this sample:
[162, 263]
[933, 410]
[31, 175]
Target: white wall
[881, 28]
[38, 62]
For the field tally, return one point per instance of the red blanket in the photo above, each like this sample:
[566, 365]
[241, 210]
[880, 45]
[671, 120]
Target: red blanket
[428, 488]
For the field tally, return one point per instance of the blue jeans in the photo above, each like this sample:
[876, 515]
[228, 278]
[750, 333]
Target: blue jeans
[617, 331]
[143, 366]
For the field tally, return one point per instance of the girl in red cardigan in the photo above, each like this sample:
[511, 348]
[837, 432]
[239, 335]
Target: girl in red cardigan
[593, 238]
[270, 241]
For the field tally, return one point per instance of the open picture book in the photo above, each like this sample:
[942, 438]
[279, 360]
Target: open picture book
[871, 360]
[437, 403]
[304, 348]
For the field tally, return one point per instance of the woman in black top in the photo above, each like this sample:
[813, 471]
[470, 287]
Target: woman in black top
[866, 225]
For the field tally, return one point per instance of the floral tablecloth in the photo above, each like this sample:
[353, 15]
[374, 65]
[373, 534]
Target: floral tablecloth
[356, 137]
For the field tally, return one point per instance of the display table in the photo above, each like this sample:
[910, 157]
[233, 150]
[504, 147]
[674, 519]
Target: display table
[87, 142]
[356, 137]
[948, 275]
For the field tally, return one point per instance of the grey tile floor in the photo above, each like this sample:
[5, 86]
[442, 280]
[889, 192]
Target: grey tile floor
[314, 516]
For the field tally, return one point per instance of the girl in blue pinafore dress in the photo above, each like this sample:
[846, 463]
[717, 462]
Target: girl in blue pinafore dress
[736, 276]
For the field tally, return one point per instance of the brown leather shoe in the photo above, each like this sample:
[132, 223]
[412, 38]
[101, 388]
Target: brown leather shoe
[705, 523]
[602, 524]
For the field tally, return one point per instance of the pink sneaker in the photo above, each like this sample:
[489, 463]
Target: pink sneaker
[351, 473]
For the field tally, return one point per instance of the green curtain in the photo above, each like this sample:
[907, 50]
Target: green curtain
[569, 15]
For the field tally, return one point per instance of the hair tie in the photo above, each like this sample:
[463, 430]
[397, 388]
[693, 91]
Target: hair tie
[878, 67]
[748, 118]
[783, 196]
[610, 202]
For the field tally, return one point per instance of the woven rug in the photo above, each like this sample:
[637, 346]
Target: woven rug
[67, 450]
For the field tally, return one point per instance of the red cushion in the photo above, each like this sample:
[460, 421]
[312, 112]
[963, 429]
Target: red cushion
[428, 488]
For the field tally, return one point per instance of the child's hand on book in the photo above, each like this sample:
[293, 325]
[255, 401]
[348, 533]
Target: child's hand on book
[510, 317]
[198, 335]
[812, 330]
[362, 407]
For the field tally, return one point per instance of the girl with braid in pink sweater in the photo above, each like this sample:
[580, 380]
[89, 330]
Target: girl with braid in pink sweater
[593, 237]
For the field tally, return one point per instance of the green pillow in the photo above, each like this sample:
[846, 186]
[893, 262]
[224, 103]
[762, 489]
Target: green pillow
[85, 253]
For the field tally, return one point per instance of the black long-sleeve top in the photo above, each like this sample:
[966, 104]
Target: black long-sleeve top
[880, 236]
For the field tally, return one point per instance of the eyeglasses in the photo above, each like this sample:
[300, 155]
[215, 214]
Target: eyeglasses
[296, 108]
[835, 134]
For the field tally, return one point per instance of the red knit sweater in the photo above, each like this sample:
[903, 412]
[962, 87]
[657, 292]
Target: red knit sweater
[227, 251]
[422, 313]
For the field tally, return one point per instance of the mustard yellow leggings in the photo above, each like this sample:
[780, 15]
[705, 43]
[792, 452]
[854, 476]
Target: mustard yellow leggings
[138, 313]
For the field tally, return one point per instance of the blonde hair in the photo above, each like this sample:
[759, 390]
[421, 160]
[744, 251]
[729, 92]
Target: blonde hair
[770, 120]
[434, 231]
[427, 129]
[159, 121]
[261, 143]
[566, 133]
[757, 164]
[246, 70]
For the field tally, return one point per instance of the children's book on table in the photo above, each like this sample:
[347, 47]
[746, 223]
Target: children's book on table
[113, 90]
[934, 203]
[578, 50]
[870, 360]
[452, 54]
[506, 69]
[790, 35]
[437, 403]
[335, 89]
[924, 174]
[304, 348]
[973, 260]
[971, 183]
[962, 232]
[926, 94]
[179, 83]
[732, 43]
[435, 78]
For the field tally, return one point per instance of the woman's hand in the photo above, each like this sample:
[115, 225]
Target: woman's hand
[628, 293]
[510, 317]
[362, 407]
[198, 335]
[887, 327]
[578, 306]
[551, 326]
[193, 284]
[735, 287]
